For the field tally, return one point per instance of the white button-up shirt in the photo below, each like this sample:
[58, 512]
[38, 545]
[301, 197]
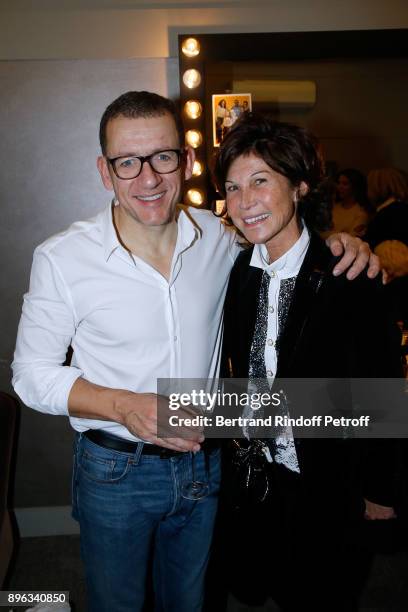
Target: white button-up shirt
[286, 266]
[128, 325]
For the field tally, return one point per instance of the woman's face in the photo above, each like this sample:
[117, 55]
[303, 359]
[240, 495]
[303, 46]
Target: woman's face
[344, 188]
[263, 204]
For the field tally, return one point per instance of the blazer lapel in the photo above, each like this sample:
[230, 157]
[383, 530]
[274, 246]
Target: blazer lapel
[308, 283]
[239, 316]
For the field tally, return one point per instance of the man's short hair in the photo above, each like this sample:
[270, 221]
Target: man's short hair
[135, 104]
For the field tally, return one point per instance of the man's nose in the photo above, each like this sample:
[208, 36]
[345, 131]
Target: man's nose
[148, 176]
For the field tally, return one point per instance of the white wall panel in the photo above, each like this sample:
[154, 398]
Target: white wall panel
[127, 28]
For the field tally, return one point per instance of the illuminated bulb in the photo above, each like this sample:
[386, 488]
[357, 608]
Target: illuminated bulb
[193, 109]
[195, 196]
[190, 47]
[197, 168]
[194, 138]
[191, 78]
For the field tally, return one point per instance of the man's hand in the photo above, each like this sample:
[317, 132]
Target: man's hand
[375, 512]
[356, 254]
[138, 413]
[135, 411]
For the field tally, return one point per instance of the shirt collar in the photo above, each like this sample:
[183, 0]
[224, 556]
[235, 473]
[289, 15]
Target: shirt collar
[110, 240]
[188, 231]
[288, 264]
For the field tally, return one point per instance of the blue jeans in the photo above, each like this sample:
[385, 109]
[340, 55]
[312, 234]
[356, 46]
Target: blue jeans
[129, 507]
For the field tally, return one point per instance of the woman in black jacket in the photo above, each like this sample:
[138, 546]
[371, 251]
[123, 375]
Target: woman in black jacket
[287, 316]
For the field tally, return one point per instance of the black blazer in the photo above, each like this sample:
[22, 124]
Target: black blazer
[335, 328]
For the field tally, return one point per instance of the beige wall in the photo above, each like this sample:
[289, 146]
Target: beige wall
[114, 29]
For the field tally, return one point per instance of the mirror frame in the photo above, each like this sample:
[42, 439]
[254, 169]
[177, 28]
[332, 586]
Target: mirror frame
[274, 46]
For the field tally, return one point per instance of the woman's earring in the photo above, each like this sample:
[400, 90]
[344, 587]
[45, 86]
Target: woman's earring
[217, 213]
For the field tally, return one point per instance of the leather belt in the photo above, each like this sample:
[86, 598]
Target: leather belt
[127, 446]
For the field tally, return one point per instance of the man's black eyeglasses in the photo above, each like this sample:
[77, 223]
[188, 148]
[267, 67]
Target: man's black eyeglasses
[162, 162]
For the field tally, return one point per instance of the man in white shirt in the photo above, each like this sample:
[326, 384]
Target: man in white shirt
[138, 293]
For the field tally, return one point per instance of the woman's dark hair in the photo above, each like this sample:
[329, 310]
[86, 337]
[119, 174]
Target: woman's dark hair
[358, 184]
[288, 149]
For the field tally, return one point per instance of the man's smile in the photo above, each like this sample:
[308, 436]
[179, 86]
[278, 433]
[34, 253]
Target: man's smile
[150, 198]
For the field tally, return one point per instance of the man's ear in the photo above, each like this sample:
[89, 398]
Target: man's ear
[102, 166]
[189, 163]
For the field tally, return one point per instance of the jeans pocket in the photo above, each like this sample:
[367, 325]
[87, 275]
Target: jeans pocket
[110, 468]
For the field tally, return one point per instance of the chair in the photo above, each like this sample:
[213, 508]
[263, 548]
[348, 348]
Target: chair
[9, 418]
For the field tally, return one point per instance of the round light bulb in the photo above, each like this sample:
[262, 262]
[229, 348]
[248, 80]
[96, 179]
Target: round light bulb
[191, 78]
[194, 138]
[193, 109]
[190, 47]
[197, 168]
[195, 196]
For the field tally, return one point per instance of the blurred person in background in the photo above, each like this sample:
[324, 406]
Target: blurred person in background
[351, 210]
[387, 233]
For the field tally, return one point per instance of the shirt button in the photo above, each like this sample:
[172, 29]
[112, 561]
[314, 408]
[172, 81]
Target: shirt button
[175, 338]
[270, 342]
[272, 274]
[271, 309]
[269, 373]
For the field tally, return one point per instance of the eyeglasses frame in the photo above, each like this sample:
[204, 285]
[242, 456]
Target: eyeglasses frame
[146, 158]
